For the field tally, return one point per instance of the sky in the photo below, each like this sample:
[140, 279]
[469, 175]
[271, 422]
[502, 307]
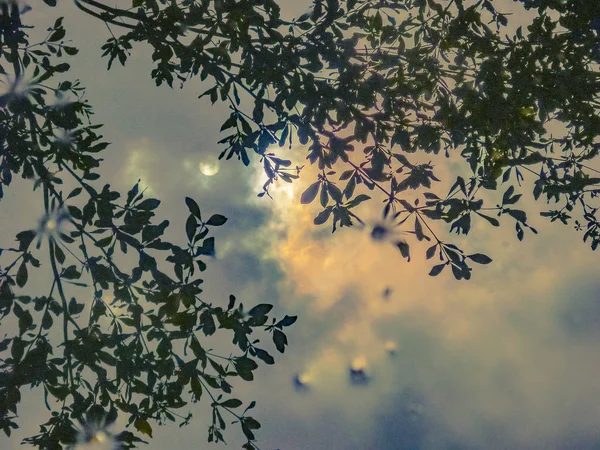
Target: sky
[507, 360]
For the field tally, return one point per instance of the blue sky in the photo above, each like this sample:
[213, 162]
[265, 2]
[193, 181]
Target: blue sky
[509, 359]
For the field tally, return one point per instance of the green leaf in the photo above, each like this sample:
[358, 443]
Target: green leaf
[216, 220]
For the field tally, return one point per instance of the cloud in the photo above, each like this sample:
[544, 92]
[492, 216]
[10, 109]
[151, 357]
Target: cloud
[506, 360]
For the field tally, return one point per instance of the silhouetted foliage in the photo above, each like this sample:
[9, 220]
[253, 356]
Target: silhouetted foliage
[396, 78]
[105, 339]
[401, 80]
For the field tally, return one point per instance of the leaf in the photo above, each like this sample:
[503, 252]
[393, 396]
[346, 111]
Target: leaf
[70, 273]
[480, 258]
[517, 214]
[25, 238]
[74, 307]
[324, 198]
[143, 426]
[419, 230]
[358, 200]
[22, 275]
[310, 193]
[216, 220]
[232, 403]
[193, 207]
[287, 321]
[190, 227]
[57, 35]
[208, 323]
[335, 192]
[430, 251]
[280, 340]
[60, 255]
[208, 247]
[47, 321]
[436, 270]
[264, 356]
[404, 249]
[231, 302]
[149, 204]
[491, 220]
[260, 310]
[508, 194]
[322, 217]
[244, 367]
[75, 192]
[50, 2]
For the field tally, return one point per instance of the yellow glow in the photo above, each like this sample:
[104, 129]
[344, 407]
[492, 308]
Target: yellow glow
[284, 189]
[391, 347]
[209, 168]
[51, 225]
[99, 437]
[359, 363]
[304, 378]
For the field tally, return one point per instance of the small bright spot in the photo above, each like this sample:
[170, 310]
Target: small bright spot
[94, 439]
[359, 363]
[209, 168]
[358, 371]
[391, 347]
[51, 225]
[99, 437]
[301, 381]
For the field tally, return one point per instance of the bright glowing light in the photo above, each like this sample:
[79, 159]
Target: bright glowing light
[304, 378]
[95, 437]
[302, 381]
[359, 363]
[99, 437]
[209, 168]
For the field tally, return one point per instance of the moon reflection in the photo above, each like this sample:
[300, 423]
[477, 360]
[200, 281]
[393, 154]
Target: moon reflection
[209, 168]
